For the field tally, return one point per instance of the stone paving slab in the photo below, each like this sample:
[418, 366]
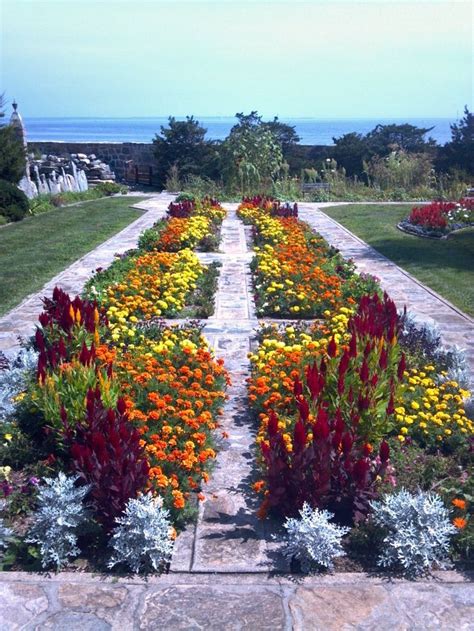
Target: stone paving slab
[21, 320]
[456, 327]
[83, 602]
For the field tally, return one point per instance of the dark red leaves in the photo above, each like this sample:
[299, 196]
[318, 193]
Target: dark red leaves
[106, 454]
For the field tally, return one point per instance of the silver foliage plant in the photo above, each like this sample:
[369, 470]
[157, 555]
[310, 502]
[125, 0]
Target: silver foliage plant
[424, 339]
[14, 376]
[142, 539]
[418, 531]
[6, 534]
[313, 540]
[60, 514]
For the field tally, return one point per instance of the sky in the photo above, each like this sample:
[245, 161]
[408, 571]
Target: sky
[320, 58]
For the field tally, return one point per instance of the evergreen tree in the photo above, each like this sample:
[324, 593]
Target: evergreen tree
[183, 144]
[459, 152]
[12, 152]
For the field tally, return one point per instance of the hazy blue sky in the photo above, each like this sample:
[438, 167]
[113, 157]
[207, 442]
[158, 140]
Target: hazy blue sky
[324, 58]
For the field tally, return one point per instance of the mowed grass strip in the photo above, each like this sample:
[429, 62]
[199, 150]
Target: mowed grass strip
[446, 265]
[34, 250]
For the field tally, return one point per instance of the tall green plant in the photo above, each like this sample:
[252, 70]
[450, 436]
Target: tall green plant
[251, 155]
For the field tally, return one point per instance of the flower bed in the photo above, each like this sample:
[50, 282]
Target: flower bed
[295, 272]
[438, 219]
[355, 405]
[117, 412]
[190, 224]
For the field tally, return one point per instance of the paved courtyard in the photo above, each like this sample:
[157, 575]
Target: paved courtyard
[223, 571]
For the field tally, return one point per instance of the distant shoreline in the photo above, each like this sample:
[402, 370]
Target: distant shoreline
[312, 131]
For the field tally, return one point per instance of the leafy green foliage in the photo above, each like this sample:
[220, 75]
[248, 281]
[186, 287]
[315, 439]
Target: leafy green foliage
[285, 134]
[353, 149]
[183, 144]
[13, 202]
[459, 152]
[6, 535]
[12, 155]
[251, 155]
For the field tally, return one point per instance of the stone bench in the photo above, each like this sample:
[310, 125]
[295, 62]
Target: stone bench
[315, 186]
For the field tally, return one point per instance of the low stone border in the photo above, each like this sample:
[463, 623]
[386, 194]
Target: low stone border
[416, 233]
[234, 602]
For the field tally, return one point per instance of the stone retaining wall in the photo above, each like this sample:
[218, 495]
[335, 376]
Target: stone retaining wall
[115, 154]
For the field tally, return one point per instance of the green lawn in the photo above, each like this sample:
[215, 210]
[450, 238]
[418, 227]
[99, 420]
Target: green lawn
[447, 266]
[34, 250]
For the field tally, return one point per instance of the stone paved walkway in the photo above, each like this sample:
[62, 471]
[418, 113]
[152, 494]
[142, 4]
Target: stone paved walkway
[456, 327]
[222, 574]
[235, 602]
[22, 319]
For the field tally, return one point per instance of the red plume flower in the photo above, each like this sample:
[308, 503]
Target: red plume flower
[332, 348]
[384, 451]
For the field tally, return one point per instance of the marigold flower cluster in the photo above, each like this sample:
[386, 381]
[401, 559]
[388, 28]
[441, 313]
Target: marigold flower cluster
[294, 269]
[189, 225]
[158, 284]
[174, 390]
[432, 411]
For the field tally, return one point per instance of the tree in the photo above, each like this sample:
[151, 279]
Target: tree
[12, 151]
[285, 134]
[183, 144]
[384, 139]
[251, 155]
[350, 152]
[459, 152]
[2, 109]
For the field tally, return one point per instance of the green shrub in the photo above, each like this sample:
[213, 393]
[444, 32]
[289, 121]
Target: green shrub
[109, 188]
[13, 202]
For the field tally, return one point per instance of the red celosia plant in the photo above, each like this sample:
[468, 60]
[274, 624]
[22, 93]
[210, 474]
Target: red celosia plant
[359, 379]
[327, 466]
[107, 454]
[432, 215]
[274, 206]
[69, 329]
[322, 453]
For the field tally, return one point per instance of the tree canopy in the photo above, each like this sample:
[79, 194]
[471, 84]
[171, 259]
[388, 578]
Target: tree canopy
[183, 144]
[12, 152]
[251, 155]
[352, 150]
[459, 152]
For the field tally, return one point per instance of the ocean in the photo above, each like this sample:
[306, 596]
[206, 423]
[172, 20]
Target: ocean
[312, 131]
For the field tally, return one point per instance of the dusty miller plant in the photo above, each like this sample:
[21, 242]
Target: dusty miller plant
[142, 539]
[56, 522]
[6, 534]
[418, 531]
[13, 379]
[313, 540]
